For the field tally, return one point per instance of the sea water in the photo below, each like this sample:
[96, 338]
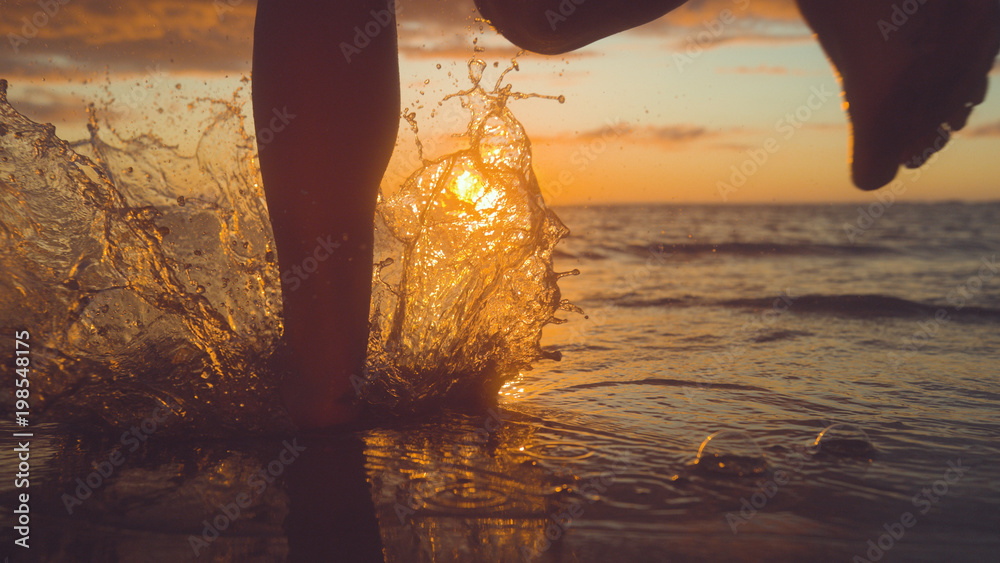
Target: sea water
[758, 382]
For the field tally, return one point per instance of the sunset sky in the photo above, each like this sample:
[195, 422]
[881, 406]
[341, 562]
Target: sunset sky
[660, 113]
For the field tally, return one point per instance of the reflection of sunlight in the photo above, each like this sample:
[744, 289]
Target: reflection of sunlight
[512, 388]
[467, 187]
[465, 308]
[470, 188]
[467, 485]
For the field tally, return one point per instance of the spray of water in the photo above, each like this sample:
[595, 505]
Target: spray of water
[148, 276]
[468, 284]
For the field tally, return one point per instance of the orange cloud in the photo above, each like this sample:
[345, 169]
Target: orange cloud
[762, 69]
[430, 44]
[663, 136]
[84, 37]
[696, 12]
[706, 24]
[988, 130]
[672, 134]
[730, 16]
[102, 22]
[45, 106]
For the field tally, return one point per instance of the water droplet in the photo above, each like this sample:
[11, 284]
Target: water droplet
[731, 452]
[467, 495]
[476, 69]
[558, 451]
[565, 305]
[844, 440]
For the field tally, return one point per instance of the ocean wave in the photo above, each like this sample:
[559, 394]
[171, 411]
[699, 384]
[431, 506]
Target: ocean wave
[744, 249]
[663, 382]
[848, 305]
[868, 306]
[763, 249]
[779, 335]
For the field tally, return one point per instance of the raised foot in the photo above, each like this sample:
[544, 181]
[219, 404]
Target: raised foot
[912, 72]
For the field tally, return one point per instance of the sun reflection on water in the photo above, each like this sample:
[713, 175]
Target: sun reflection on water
[465, 283]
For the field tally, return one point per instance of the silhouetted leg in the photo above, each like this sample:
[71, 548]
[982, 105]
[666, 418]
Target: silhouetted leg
[906, 73]
[326, 109]
[331, 516]
[557, 26]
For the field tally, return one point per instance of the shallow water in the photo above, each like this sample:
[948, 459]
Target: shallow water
[596, 450]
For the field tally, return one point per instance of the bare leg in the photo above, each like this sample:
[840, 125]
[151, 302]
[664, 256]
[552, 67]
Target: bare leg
[321, 160]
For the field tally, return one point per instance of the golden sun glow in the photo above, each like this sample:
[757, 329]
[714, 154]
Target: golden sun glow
[470, 188]
[467, 187]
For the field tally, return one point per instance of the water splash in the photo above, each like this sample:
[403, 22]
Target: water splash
[460, 301]
[145, 276]
[148, 276]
